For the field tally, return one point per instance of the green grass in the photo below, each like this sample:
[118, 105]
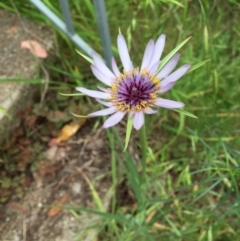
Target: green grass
[193, 165]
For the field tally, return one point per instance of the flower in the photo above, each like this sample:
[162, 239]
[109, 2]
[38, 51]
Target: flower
[134, 91]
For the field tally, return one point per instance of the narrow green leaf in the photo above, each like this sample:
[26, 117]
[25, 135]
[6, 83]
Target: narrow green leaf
[29, 81]
[106, 215]
[133, 175]
[177, 3]
[80, 116]
[74, 94]
[207, 191]
[96, 197]
[185, 113]
[63, 72]
[128, 132]
[3, 110]
[85, 57]
[170, 55]
[196, 66]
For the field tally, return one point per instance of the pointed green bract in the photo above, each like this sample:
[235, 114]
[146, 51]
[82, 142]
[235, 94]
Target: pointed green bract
[170, 55]
[74, 94]
[185, 113]
[80, 116]
[196, 66]
[85, 57]
[128, 132]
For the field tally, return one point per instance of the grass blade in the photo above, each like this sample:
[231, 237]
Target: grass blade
[170, 55]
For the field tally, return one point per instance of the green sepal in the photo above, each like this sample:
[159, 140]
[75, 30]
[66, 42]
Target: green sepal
[80, 116]
[185, 113]
[85, 57]
[196, 66]
[170, 55]
[74, 94]
[128, 132]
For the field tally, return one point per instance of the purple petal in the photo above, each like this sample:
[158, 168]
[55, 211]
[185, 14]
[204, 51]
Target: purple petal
[104, 112]
[108, 104]
[176, 74]
[114, 119]
[147, 54]
[154, 67]
[102, 67]
[149, 111]
[138, 120]
[101, 76]
[169, 104]
[94, 93]
[114, 67]
[165, 88]
[168, 68]
[123, 52]
[158, 49]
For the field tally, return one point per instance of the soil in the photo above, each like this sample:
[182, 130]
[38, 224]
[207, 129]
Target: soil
[62, 177]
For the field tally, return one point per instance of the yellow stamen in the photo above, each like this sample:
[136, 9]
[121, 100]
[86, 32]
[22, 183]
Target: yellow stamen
[114, 87]
[144, 72]
[153, 95]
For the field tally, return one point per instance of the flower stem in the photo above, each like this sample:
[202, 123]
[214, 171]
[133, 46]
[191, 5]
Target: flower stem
[143, 142]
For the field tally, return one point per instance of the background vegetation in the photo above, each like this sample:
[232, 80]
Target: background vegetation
[192, 191]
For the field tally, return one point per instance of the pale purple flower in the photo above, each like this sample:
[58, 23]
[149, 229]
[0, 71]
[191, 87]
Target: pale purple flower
[135, 91]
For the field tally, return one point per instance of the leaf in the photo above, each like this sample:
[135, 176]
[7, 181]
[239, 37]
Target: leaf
[18, 207]
[128, 132]
[56, 115]
[85, 57]
[69, 130]
[177, 3]
[56, 210]
[35, 48]
[184, 112]
[196, 66]
[170, 55]
[12, 29]
[95, 195]
[24, 80]
[3, 110]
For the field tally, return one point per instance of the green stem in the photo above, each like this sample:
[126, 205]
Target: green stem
[114, 170]
[143, 142]
[113, 167]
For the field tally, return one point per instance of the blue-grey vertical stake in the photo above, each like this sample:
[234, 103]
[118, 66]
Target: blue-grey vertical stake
[67, 16]
[66, 28]
[103, 30]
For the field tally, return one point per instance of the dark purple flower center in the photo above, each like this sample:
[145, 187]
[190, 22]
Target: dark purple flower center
[135, 91]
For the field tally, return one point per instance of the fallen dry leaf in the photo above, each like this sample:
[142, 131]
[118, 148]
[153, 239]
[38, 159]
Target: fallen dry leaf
[69, 130]
[12, 29]
[56, 115]
[56, 210]
[35, 48]
[17, 207]
[31, 121]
